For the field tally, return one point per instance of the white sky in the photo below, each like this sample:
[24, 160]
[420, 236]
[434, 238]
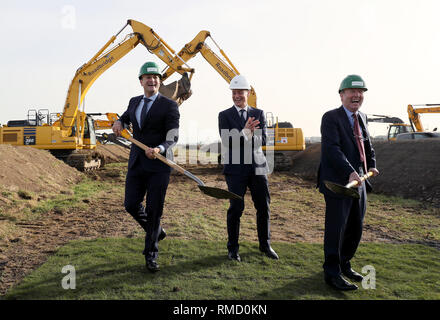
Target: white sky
[294, 53]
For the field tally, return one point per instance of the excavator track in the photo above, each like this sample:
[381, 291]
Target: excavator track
[283, 160]
[82, 160]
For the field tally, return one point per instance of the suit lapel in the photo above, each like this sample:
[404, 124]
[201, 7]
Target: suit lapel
[251, 113]
[152, 107]
[133, 110]
[235, 117]
[363, 125]
[346, 125]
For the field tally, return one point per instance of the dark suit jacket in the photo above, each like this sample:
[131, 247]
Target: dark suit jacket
[339, 152]
[228, 120]
[160, 127]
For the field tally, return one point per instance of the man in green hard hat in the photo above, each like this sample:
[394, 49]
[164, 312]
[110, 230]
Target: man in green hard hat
[346, 155]
[155, 122]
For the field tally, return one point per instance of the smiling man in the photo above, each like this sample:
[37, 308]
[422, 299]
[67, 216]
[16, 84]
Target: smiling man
[243, 133]
[155, 122]
[346, 154]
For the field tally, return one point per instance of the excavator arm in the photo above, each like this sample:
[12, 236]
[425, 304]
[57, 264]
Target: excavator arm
[224, 67]
[86, 75]
[414, 114]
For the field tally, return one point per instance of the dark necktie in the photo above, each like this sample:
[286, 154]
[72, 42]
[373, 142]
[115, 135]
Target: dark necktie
[359, 141]
[242, 118]
[144, 110]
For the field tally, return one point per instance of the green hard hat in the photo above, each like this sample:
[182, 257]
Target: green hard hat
[149, 68]
[352, 81]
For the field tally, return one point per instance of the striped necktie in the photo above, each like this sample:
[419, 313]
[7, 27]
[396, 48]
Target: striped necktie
[359, 141]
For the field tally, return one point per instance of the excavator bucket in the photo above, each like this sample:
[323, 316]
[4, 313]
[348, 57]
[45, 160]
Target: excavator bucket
[178, 91]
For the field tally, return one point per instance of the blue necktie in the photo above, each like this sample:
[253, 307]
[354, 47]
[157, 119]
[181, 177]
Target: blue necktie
[145, 110]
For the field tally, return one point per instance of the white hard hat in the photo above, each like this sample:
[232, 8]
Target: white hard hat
[239, 82]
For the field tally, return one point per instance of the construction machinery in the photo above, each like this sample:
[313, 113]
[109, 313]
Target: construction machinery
[397, 125]
[106, 125]
[414, 114]
[70, 135]
[283, 139]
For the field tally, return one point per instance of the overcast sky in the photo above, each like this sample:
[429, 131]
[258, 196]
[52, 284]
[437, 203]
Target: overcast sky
[294, 53]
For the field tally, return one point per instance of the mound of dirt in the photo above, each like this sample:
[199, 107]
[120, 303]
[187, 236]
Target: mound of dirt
[30, 169]
[407, 169]
[113, 153]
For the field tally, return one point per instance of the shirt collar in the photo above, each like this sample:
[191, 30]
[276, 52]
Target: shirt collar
[238, 108]
[349, 113]
[152, 98]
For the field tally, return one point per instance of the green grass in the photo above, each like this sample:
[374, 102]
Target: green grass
[114, 269]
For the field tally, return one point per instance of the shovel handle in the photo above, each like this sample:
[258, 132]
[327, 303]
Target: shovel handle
[355, 182]
[168, 162]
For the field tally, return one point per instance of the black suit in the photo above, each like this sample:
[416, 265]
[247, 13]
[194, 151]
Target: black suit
[245, 166]
[147, 176]
[344, 216]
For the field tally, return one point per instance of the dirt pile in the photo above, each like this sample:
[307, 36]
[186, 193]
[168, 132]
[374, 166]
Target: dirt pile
[38, 171]
[113, 153]
[34, 170]
[408, 169]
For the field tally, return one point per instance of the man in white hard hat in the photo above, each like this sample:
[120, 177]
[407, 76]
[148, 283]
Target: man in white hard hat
[243, 132]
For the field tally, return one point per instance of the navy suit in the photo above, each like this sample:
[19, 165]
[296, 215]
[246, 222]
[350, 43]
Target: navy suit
[344, 216]
[147, 176]
[245, 166]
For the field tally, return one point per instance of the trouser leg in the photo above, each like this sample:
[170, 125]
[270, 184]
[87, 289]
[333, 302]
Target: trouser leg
[259, 188]
[238, 185]
[135, 188]
[353, 231]
[157, 184]
[336, 215]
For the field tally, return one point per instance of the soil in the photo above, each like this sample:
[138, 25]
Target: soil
[407, 169]
[410, 170]
[113, 153]
[29, 169]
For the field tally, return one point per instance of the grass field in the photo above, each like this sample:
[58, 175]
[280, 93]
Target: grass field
[114, 269]
[401, 241]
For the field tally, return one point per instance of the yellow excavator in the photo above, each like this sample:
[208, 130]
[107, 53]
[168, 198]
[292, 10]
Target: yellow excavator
[70, 135]
[397, 125]
[414, 114]
[287, 140]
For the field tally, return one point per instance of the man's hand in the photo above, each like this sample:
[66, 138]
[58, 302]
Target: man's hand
[117, 128]
[374, 171]
[252, 124]
[151, 153]
[354, 176]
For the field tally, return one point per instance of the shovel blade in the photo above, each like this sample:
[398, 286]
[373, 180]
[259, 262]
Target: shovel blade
[342, 190]
[219, 193]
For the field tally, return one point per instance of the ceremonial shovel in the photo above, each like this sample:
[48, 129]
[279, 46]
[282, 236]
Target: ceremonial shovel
[347, 189]
[210, 191]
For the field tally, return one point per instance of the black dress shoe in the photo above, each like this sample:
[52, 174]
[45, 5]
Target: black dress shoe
[152, 265]
[352, 275]
[269, 252]
[339, 283]
[162, 235]
[234, 256]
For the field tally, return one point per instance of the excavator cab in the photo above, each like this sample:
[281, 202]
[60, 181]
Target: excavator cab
[396, 129]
